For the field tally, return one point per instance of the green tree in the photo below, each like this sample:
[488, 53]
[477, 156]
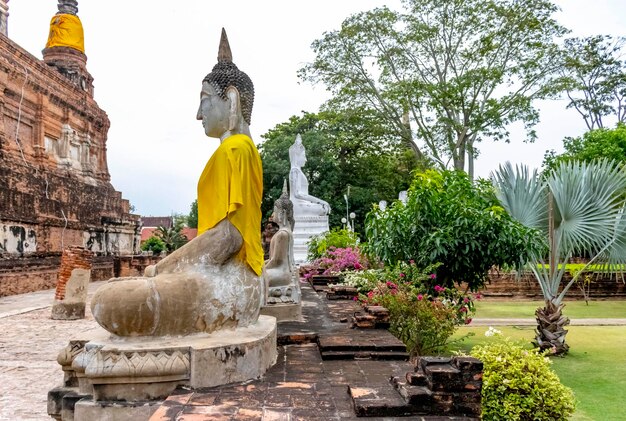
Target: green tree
[579, 209]
[594, 78]
[448, 219]
[595, 144]
[192, 218]
[443, 75]
[343, 150]
[154, 244]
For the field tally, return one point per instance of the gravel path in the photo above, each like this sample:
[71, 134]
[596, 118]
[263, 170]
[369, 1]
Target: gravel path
[29, 344]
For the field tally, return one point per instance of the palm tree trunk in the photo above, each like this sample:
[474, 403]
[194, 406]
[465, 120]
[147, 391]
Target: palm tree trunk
[550, 333]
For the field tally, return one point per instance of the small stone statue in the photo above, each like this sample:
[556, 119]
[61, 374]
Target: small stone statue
[212, 282]
[278, 272]
[303, 203]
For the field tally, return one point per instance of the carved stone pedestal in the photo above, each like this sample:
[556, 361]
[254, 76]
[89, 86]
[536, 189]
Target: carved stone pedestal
[284, 303]
[306, 227]
[125, 376]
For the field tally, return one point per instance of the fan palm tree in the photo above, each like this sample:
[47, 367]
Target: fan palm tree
[580, 208]
[172, 237]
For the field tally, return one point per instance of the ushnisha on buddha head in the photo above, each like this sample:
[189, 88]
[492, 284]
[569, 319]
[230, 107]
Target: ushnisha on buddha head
[226, 98]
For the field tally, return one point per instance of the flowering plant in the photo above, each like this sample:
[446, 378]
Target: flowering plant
[342, 259]
[338, 261]
[422, 315]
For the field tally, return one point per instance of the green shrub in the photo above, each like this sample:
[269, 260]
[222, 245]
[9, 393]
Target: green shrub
[154, 244]
[422, 316]
[519, 384]
[451, 220]
[335, 238]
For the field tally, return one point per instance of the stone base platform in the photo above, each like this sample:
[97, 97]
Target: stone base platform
[139, 371]
[87, 409]
[284, 312]
[305, 228]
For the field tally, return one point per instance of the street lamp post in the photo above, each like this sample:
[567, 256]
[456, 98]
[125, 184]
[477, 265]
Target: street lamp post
[345, 196]
[352, 216]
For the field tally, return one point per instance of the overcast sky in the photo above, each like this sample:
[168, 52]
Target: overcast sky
[148, 59]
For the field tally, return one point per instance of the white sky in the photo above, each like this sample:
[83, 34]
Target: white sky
[148, 59]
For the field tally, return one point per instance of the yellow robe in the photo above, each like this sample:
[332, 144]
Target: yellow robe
[66, 31]
[231, 186]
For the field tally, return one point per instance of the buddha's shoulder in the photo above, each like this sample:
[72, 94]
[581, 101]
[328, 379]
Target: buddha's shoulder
[238, 140]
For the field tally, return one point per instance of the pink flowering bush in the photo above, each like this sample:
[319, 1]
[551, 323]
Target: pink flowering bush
[338, 261]
[424, 316]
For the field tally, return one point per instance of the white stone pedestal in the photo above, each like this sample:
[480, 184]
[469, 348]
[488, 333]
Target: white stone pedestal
[306, 227]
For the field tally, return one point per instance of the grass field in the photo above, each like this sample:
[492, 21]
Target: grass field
[573, 309]
[595, 367]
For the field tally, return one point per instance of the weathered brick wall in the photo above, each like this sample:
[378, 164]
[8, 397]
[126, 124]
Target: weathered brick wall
[20, 275]
[505, 285]
[35, 273]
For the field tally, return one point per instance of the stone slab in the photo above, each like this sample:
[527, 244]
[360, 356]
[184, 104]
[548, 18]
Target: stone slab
[88, 410]
[283, 312]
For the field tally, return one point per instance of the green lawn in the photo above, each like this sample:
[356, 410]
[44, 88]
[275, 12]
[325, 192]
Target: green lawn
[595, 367]
[526, 309]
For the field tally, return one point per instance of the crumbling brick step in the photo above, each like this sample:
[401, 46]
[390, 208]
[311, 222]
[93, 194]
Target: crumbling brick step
[296, 338]
[361, 345]
[324, 280]
[365, 355]
[341, 292]
[381, 401]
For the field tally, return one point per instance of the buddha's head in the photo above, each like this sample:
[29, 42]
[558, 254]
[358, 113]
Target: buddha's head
[227, 96]
[297, 155]
[283, 210]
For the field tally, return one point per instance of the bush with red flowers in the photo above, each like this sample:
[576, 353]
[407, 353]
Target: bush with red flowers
[423, 314]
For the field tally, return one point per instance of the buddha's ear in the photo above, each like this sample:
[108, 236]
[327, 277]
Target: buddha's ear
[235, 107]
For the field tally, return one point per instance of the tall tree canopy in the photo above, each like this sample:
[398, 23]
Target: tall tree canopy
[594, 78]
[595, 144]
[443, 75]
[343, 150]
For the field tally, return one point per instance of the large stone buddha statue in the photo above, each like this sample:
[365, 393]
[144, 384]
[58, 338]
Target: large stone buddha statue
[303, 203]
[213, 281]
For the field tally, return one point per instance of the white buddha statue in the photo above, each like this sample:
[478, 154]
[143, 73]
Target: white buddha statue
[303, 203]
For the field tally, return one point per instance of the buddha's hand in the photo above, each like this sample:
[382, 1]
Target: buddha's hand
[150, 271]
